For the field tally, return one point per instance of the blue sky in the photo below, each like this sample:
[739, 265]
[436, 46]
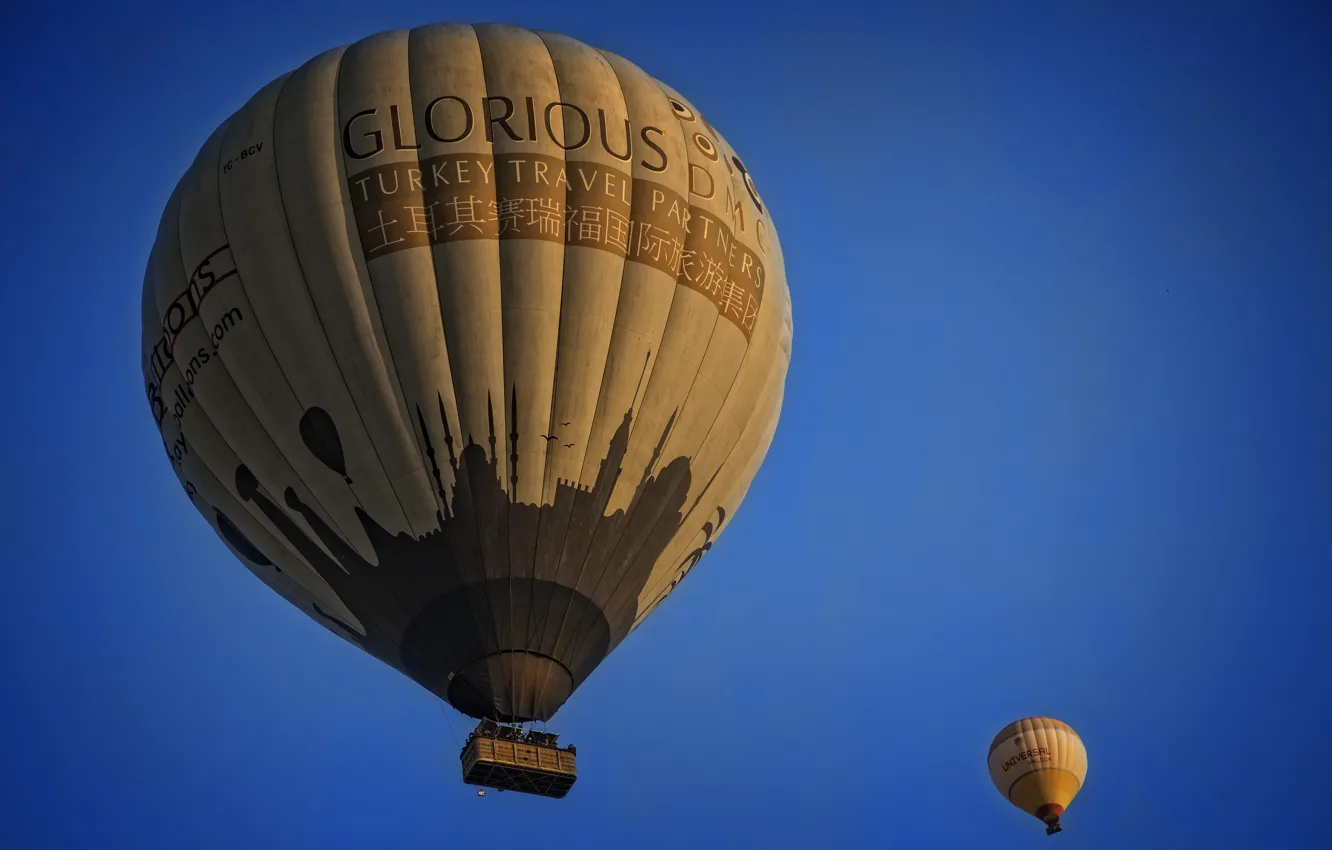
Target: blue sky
[1056, 441]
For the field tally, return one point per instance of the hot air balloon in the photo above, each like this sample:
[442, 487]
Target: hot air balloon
[468, 341]
[1039, 765]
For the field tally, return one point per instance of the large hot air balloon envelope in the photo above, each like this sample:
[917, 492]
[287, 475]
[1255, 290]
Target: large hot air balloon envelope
[1039, 765]
[468, 341]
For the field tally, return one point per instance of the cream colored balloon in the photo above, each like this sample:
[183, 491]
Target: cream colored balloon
[1039, 764]
[469, 341]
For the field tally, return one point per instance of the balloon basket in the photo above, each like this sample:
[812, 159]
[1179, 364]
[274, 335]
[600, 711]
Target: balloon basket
[506, 759]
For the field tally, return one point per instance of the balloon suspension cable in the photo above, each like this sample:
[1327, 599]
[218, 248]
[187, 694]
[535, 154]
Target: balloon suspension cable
[444, 709]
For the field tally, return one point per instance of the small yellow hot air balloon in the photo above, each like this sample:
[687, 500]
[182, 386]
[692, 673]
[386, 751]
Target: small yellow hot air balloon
[1039, 764]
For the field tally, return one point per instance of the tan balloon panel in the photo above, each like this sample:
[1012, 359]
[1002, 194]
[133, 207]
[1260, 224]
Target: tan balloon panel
[468, 341]
[1039, 764]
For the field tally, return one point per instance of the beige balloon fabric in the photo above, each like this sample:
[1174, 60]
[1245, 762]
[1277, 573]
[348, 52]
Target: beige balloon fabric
[468, 341]
[1039, 764]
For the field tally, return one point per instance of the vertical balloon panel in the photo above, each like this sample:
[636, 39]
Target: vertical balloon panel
[457, 173]
[757, 276]
[298, 367]
[395, 216]
[705, 352]
[714, 246]
[721, 262]
[375, 108]
[596, 200]
[591, 191]
[378, 446]
[519, 75]
[648, 478]
[261, 242]
[651, 239]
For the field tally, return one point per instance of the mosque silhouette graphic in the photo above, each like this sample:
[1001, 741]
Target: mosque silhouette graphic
[506, 607]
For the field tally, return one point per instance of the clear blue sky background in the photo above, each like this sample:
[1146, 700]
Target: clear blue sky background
[1057, 439]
